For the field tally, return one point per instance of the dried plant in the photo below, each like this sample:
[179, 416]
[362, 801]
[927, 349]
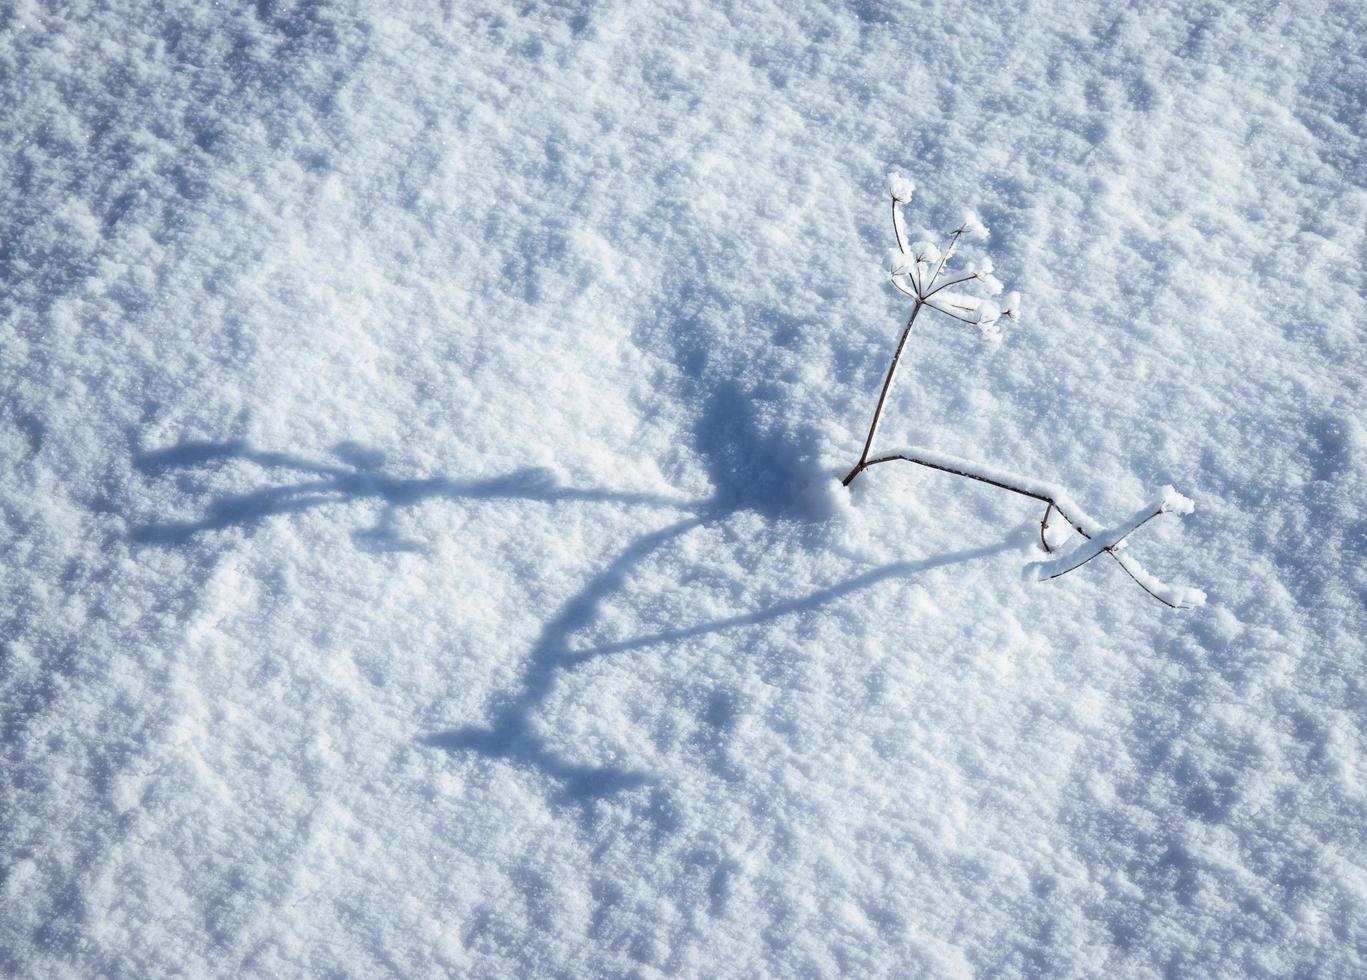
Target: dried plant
[922, 271]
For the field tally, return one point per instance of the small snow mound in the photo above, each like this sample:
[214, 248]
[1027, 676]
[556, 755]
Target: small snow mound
[1025, 538]
[899, 263]
[973, 226]
[926, 251]
[1174, 502]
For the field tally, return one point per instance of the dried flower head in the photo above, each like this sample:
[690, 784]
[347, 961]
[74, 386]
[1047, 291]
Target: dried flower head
[900, 187]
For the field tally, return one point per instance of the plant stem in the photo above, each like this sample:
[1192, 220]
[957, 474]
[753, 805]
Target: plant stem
[1120, 558]
[883, 397]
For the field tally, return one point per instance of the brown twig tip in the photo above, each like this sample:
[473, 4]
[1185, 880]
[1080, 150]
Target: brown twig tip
[910, 272]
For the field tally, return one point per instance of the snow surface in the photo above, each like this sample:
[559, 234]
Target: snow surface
[420, 549]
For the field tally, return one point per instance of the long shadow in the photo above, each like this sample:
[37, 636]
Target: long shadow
[728, 440]
[359, 477]
[510, 735]
[787, 607]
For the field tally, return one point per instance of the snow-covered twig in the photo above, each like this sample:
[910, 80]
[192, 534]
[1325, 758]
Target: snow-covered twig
[1109, 540]
[909, 268]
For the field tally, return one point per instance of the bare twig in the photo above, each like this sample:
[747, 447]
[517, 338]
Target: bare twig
[945, 254]
[961, 319]
[952, 282]
[897, 227]
[904, 289]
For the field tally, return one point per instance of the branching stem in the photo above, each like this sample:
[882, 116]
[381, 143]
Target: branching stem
[922, 293]
[1051, 506]
[946, 285]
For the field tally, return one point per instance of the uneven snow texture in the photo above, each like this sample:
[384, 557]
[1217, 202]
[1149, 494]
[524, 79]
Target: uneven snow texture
[420, 554]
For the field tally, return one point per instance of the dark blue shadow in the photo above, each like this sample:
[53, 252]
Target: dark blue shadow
[510, 735]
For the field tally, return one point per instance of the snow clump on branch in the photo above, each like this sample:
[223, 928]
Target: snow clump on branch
[901, 188]
[973, 226]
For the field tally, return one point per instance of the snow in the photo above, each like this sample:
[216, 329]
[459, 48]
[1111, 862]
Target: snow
[1175, 596]
[900, 263]
[1171, 501]
[419, 432]
[928, 253]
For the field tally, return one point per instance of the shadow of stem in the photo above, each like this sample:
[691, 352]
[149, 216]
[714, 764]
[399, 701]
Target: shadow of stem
[341, 484]
[510, 735]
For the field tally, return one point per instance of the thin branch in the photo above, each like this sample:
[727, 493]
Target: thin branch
[883, 395]
[1110, 548]
[961, 472]
[1054, 499]
[946, 285]
[994, 481]
[897, 227]
[903, 289]
[941, 309]
[915, 276]
[944, 255]
[1072, 568]
[1122, 562]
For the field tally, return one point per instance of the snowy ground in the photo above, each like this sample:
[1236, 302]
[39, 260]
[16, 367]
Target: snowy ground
[420, 557]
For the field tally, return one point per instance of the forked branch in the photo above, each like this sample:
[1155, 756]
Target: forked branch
[915, 269]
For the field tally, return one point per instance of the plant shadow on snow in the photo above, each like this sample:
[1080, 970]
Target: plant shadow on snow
[511, 734]
[359, 479]
[749, 469]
